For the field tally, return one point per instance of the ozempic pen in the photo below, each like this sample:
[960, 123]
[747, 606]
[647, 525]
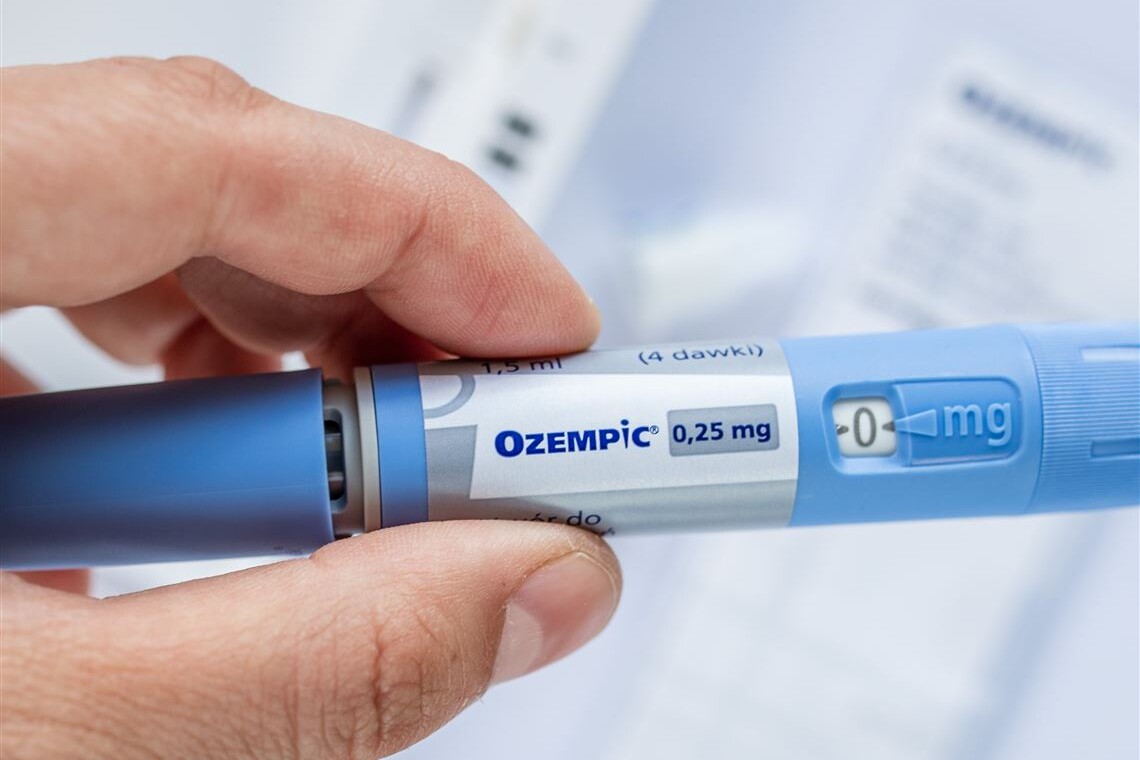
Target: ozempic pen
[943, 423]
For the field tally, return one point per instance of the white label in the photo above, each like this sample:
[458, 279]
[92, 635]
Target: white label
[545, 435]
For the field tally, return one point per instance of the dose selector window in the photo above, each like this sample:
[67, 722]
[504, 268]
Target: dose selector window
[930, 422]
[865, 427]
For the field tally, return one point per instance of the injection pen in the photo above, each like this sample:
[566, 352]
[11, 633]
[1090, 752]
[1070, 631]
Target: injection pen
[996, 420]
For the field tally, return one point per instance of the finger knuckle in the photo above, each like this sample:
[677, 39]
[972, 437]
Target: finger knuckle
[209, 81]
[464, 186]
[369, 680]
[463, 175]
[416, 676]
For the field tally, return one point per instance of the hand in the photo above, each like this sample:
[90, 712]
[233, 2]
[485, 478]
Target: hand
[178, 215]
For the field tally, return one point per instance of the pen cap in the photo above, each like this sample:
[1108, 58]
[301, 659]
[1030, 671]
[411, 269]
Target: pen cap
[1089, 380]
[218, 467]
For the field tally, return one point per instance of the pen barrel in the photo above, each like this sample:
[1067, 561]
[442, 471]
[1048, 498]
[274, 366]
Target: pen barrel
[666, 437]
[195, 469]
[714, 434]
[968, 422]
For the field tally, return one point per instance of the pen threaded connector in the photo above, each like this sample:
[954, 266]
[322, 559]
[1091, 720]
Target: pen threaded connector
[334, 459]
[343, 462]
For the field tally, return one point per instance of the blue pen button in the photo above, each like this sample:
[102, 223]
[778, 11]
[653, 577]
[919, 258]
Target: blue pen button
[952, 421]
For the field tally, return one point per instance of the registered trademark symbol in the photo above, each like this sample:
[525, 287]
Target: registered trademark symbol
[654, 429]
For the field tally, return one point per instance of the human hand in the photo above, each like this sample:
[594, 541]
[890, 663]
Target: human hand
[177, 215]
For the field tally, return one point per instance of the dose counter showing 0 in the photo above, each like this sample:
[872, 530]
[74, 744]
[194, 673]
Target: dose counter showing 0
[713, 434]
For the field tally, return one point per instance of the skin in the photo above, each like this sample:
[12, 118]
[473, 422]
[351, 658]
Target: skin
[177, 215]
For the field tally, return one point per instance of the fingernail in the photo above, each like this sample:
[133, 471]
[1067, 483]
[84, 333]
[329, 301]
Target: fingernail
[557, 609]
[597, 315]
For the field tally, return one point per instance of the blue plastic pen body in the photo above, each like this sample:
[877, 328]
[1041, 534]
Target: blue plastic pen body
[714, 434]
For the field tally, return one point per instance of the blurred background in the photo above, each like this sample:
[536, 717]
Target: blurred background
[714, 168]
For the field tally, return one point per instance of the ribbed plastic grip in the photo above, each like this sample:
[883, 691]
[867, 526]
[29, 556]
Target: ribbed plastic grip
[1089, 379]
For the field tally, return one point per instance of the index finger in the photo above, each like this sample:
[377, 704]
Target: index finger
[119, 171]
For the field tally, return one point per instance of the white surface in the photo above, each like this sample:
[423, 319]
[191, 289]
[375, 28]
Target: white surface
[976, 220]
[550, 63]
[981, 639]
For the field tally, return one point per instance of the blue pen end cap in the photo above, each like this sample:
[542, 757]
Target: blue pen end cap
[1089, 377]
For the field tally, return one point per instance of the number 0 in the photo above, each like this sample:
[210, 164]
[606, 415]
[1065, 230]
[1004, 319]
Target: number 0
[680, 435]
[859, 424]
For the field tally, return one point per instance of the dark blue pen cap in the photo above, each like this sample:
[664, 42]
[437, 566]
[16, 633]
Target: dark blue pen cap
[218, 467]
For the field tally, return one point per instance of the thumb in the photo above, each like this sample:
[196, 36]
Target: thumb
[358, 651]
